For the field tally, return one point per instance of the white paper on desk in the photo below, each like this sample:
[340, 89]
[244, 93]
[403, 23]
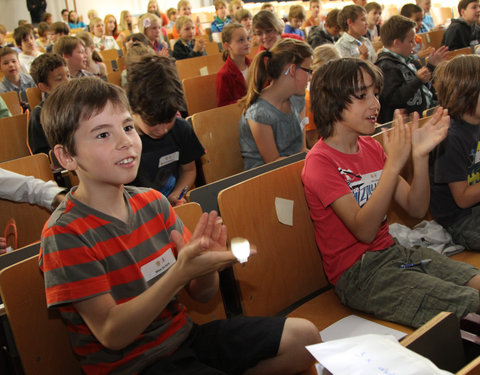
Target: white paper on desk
[354, 325]
[284, 209]
[372, 355]
[204, 71]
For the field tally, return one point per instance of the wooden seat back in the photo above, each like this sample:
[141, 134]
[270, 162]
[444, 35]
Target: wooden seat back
[115, 78]
[212, 48]
[11, 100]
[288, 266]
[40, 335]
[197, 66]
[29, 218]
[441, 15]
[200, 312]
[34, 97]
[13, 133]
[200, 93]
[432, 38]
[459, 52]
[217, 130]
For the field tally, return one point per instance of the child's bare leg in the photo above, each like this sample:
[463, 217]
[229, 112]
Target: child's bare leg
[292, 357]
[474, 282]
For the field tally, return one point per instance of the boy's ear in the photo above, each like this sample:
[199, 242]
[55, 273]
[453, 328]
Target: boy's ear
[44, 87]
[66, 160]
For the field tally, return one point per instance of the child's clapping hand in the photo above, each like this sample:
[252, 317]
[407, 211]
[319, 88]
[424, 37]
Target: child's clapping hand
[199, 45]
[425, 139]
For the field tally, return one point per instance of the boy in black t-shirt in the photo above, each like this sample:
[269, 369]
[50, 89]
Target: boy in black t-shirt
[169, 145]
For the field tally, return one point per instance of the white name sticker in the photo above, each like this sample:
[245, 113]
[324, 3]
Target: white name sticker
[158, 265]
[167, 159]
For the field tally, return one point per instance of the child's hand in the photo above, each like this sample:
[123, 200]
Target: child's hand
[439, 55]
[424, 74]
[425, 139]
[199, 45]
[164, 51]
[424, 52]
[397, 143]
[207, 251]
[363, 51]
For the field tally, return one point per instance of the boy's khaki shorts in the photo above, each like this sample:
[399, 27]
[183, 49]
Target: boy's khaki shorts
[377, 284]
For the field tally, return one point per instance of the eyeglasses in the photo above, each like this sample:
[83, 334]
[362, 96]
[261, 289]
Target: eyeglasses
[309, 71]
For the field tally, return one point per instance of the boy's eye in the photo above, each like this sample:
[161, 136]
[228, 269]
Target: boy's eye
[128, 128]
[102, 135]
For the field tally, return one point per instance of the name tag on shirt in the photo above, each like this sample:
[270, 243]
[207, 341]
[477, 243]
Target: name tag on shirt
[159, 265]
[167, 159]
[304, 123]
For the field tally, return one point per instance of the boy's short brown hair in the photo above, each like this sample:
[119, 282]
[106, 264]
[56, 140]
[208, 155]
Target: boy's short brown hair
[42, 28]
[43, 65]
[333, 87]
[21, 33]
[396, 27]
[349, 12]
[219, 3]
[66, 45]
[266, 20]
[297, 11]
[59, 28]
[182, 21]
[408, 10]
[144, 78]
[171, 12]
[373, 6]
[463, 4]
[182, 3]
[332, 18]
[458, 85]
[242, 14]
[74, 101]
[7, 51]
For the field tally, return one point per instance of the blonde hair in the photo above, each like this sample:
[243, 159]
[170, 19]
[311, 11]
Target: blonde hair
[270, 64]
[218, 3]
[182, 21]
[227, 34]
[93, 23]
[182, 3]
[122, 24]
[323, 54]
[91, 13]
[232, 5]
[147, 20]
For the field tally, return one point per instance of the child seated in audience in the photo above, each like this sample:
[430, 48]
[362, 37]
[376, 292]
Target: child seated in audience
[406, 82]
[134, 55]
[316, 17]
[172, 17]
[454, 171]
[321, 55]
[57, 29]
[74, 21]
[121, 309]
[415, 13]
[170, 147]
[13, 78]
[187, 46]
[231, 78]
[64, 14]
[374, 12]
[95, 64]
[48, 18]
[72, 49]
[24, 39]
[111, 27]
[234, 6]
[427, 18]
[150, 25]
[268, 6]
[353, 21]
[43, 40]
[268, 29]
[153, 8]
[184, 8]
[91, 14]
[125, 26]
[221, 17]
[3, 37]
[349, 182]
[244, 18]
[48, 71]
[464, 31]
[4, 111]
[328, 33]
[272, 121]
[100, 39]
[296, 16]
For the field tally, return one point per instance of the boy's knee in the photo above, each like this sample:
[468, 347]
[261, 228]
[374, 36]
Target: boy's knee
[299, 331]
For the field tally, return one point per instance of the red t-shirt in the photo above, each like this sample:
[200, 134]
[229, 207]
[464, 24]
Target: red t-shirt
[328, 175]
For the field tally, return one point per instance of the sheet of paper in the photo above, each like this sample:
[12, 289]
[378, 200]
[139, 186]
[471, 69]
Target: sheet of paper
[354, 325]
[373, 355]
[204, 71]
[284, 209]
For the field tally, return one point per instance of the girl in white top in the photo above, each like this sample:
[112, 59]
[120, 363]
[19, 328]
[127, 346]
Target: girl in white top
[101, 40]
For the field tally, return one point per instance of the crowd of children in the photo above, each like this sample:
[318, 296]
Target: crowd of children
[316, 82]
